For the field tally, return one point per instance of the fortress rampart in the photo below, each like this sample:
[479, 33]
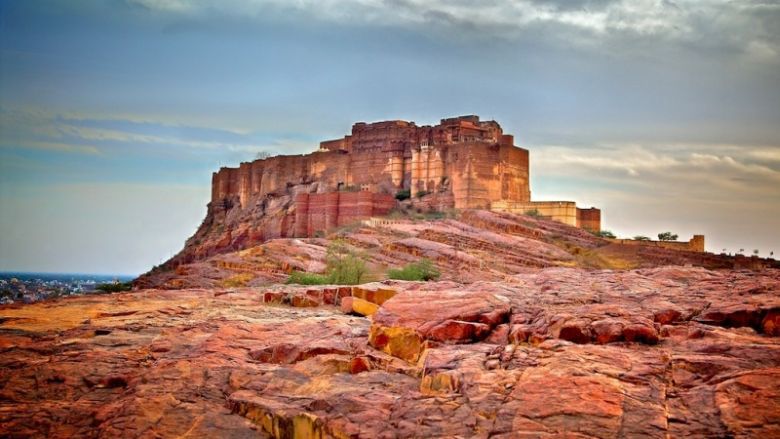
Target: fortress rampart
[473, 159]
[463, 163]
[695, 244]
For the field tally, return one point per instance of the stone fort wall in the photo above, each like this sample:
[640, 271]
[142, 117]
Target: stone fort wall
[322, 212]
[463, 163]
[473, 159]
[566, 212]
[695, 244]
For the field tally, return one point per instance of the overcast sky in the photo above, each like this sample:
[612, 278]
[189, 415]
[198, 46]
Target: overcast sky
[666, 114]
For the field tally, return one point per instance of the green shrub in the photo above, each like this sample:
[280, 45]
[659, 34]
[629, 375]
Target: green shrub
[114, 287]
[423, 270]
[344, 267]
[606, 234]
[533, 212]
[302, 278]
[641, 238]
[421, 194]
[404, 194]
[667, 236]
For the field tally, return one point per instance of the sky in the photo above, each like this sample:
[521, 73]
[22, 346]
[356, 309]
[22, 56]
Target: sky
[113, 114]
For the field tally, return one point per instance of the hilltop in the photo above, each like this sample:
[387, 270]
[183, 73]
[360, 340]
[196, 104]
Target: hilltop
[462, 163]
[466, 246]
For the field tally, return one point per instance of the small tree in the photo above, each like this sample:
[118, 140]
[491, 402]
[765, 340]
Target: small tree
[755, 252]
[667, 236]
[641, 238]
[114, 287]
[262, 155]
[606, 234]
[533, 212]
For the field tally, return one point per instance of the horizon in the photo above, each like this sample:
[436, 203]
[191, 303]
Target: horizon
[49, 273]
[113, 115]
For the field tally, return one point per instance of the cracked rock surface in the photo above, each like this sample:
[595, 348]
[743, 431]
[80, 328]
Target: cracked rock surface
[658, 352]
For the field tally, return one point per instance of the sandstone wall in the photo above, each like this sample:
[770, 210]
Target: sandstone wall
[322, 212]
[695, 244]
[481, 174]
[476, 173]
[561, 211]
[472, 159]
[274, 175]
[589, 219]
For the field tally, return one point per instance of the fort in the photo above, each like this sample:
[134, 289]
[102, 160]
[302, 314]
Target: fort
[467, 162]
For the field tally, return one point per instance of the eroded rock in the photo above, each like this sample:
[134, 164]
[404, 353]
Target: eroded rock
[668, 352]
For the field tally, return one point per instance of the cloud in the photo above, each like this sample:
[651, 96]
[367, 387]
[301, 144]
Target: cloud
[74, 133]
[719, 173]
[64, 147]
[747, 26]
[761, 51]
[629, 159]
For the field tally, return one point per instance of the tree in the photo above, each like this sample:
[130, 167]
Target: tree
[641, 238]
[262, 155]
[755, 252]
[606, 234]
[667, 236]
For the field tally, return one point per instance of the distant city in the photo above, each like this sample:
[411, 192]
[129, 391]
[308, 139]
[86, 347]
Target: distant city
[33, 287]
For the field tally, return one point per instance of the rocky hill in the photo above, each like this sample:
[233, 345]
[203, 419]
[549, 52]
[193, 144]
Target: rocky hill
[461, 163]
[467, 246]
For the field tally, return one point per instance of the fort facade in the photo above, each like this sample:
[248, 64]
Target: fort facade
[470, 161]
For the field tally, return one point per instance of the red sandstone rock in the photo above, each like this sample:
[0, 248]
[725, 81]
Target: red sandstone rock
[224, 363]
[478, 245]
[404, 322]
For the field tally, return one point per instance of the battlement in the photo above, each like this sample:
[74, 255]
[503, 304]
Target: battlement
[402, 136]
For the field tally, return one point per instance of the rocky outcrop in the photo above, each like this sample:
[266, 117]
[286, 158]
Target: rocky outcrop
[461, 163]
[466, 246]
[659, 352]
